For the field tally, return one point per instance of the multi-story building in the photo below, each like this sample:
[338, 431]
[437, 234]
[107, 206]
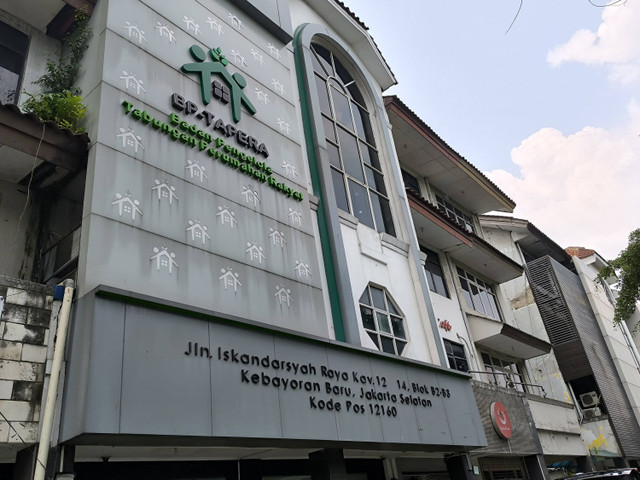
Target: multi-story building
[256, 293]
[483, 313]
[597, 360]
[41, 186]
[249, 296]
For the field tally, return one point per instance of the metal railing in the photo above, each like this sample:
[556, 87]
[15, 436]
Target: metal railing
[510, 383]
[61, 258]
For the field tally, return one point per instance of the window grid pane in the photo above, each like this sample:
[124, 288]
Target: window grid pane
[456, 356]
[456, 214]
[342, 105]
[479, 295]
[507, 374]
[435, 275]
[383, 323]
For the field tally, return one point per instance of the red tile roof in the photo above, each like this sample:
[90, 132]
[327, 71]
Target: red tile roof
[579, 252]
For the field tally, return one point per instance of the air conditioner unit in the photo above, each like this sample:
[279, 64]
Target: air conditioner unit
[589, 399]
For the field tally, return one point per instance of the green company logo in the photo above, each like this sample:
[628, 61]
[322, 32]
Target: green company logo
[229, 93]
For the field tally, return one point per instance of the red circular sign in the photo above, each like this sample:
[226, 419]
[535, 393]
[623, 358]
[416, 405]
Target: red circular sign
[500, 419]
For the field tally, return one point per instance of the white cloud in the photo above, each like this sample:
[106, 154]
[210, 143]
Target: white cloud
[615, 44]
[582, 189]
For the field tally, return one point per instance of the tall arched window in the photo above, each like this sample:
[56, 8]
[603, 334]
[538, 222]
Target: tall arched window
[355, 166]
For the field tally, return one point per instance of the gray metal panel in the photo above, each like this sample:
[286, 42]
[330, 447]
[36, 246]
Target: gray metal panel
[273, 15]
[159, 381]
[234, 387]
[78, 353]
[106, 365]
[241, 412]
[568, 317]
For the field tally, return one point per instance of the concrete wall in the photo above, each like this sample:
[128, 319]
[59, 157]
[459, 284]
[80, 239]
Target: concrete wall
[25, 323]
[41, 49]
[599, 438]
[621, 352]
[543, 370]
[17, 241]
[557, 426]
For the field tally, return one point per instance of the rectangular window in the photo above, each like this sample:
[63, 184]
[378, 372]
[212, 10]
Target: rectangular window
[410, 182]
[13, 52]
[455, 355]
[505, 373]
[456, 214]
[479, 296]
[435, 276]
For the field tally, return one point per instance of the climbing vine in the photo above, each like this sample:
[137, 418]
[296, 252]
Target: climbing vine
[60, 100]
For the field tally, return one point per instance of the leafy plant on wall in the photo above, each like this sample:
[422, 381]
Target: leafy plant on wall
[60, 101]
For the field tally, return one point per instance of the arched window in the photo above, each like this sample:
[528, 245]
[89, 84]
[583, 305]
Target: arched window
[355, 166]
[382, 320]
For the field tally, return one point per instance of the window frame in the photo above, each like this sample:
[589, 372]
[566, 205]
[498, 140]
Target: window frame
[493, 363]
[388, 309]
[485, 290]
[410, 181]
[455, 212]
[429, 266]
[359, 183]
[449, 345]
[16, 42]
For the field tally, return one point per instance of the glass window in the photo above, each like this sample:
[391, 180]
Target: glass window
[455, 355]
[13, 52]
[382, 320]
[410, 182]
[346, 122]
[456, 214]
[435, 276]
[478, 295]
[505, 373]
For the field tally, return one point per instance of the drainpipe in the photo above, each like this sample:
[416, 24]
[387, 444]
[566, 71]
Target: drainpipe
[52, 392]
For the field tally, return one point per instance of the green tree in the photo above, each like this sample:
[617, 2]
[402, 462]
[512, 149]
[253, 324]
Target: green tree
[627, 268]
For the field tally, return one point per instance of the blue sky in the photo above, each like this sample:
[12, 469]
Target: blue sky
[546, 110]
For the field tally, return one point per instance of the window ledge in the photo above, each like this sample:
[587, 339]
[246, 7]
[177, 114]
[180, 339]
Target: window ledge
[475, 313]
[395, 244]
[347, 219]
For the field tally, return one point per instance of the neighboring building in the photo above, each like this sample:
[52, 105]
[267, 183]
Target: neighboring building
[41, 187]
[471, 289]
[257, 294]
[598, 361]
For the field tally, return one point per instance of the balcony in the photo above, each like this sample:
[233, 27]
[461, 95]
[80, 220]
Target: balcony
[466, 248]
[503, 338]
[510, 381]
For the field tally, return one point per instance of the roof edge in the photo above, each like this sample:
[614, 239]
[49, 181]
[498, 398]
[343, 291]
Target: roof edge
[393, 101]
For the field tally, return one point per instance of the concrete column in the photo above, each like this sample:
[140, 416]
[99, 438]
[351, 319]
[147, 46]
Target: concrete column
[460, 467]
[585, 464]
[328, 464]
[620, 462]
[249, 470]
[25, 463]
[537, 467]
[68, 458]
